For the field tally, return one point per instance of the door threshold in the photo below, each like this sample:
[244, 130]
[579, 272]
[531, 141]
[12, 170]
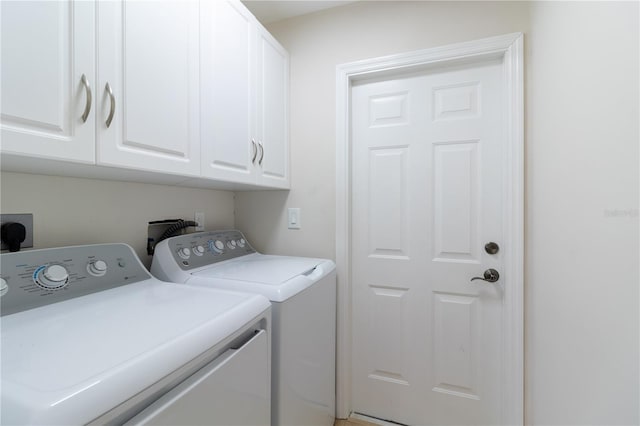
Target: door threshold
[373, 420]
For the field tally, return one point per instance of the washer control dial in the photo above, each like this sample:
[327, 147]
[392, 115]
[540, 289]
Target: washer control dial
[97, 268]
[52, 276]
[241, 242]
[216, 246]
[184, 253]
[231, 244]
[3, 286]
[198, 250]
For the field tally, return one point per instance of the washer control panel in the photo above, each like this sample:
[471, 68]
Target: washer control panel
[30, 279]
[205, 248]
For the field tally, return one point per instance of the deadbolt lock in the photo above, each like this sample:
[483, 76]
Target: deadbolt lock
[491, 248]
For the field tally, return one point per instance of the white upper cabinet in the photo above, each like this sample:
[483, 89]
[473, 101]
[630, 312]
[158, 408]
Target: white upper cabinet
[48, 79]
[273, 112]
[244, 121]
[171, 91]
[148, 81]
[228, 87]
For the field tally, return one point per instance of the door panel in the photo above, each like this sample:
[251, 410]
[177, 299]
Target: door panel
[273, 105]
[149, 56]
[427, 170]
[456, 226]
[390, 314]
[455, 326]
[43, 96]
[156, 102]
[228, 91]
[388, 202]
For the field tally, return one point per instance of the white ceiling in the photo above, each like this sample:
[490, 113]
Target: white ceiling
[268, 11]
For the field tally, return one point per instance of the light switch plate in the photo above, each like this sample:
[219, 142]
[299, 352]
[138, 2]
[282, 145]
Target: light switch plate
[199, 219]
[294, 218]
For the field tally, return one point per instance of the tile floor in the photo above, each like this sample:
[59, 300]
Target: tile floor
[352, 422]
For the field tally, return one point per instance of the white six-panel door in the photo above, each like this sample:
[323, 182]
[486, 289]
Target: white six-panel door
[44, 95]
[427, 181]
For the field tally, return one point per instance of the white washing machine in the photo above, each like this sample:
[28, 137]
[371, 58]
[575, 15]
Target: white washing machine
[303, 296]
[90, 337]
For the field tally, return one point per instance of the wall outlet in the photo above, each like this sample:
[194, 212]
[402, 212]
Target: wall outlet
[27, 220]
[199, 219]
[293, 221]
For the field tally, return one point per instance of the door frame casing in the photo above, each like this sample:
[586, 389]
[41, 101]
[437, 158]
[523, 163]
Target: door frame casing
[508, 48]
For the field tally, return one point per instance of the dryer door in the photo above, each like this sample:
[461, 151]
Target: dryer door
[234, 389]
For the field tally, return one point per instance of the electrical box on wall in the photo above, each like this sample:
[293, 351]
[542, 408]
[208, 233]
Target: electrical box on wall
[12, 233]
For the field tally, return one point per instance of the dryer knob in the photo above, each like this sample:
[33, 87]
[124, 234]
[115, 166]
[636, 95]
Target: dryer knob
[184, 253]
[97, 268]
[53, 277]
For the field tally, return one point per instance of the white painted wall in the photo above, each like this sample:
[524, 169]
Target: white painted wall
[70, 211]
[582, 257]
[582, 138]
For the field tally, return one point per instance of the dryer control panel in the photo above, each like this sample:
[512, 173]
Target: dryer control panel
[34, 278]
[191, 251]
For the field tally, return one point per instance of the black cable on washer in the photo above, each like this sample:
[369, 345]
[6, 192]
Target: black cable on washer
[170, 232]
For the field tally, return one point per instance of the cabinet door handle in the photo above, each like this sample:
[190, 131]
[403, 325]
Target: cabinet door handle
[87, 106]
[261, 152]
[113, 104]
[255, 151]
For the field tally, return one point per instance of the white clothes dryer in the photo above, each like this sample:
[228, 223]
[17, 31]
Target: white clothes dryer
[303, 296]
[90, 337]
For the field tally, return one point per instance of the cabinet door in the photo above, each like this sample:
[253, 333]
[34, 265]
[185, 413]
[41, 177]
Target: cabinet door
[149, 59]
[47, 47]
[228, 88]
[273, 112]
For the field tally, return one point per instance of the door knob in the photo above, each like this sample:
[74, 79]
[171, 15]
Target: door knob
[490, 276]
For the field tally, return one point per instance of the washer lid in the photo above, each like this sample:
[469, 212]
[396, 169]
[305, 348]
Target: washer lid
[276, 277]
[70, 362]
[263, 269]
